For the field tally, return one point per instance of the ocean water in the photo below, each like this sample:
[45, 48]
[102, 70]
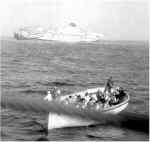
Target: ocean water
[30, 67]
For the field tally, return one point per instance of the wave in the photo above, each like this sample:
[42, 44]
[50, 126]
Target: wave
[56, 83]
[20, 85]
[35, 127]
[68, 83]
[134, 121]
[93, 137]
[129, 120]
[30, 91]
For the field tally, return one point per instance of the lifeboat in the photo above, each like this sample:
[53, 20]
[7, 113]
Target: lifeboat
[85, 103]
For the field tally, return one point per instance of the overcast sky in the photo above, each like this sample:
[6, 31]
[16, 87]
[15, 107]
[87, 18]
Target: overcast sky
[116, 19]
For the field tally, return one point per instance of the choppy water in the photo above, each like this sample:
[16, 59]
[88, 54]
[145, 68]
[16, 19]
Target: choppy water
[29, 68]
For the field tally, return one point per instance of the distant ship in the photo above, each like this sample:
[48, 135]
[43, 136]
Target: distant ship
[68, 33]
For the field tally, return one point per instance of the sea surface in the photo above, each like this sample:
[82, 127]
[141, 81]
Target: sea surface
[30, 67]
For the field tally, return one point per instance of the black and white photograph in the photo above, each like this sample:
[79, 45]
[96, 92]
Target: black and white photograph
[74, 70]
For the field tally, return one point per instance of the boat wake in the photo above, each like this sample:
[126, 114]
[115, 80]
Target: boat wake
[129, 120]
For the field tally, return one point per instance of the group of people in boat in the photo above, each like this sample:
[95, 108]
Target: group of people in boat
[110, 96]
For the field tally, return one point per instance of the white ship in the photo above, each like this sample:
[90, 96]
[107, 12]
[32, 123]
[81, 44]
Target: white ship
[68, 33]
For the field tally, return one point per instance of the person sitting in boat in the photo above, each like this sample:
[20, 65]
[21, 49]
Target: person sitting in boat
[56, 92]
[119, 92]
[93, 100]
[78, 98]
[113, 100]
[68, 100]
[87, 98]
[49, 96]
[102, 98]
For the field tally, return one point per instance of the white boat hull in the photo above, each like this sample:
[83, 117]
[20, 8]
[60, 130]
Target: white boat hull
[56, 120]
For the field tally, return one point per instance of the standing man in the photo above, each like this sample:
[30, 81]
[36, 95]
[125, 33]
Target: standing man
[109, 85]
[107, 91]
